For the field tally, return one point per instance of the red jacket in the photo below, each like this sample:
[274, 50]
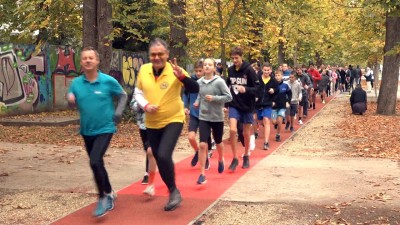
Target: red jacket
[316, 76]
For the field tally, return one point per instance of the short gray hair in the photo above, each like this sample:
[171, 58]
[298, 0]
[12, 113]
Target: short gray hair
[159, 41]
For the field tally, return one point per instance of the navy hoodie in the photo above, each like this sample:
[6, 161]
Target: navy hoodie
[247, 77]
[283, 96]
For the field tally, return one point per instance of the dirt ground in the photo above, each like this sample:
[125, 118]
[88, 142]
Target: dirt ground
[44, 173]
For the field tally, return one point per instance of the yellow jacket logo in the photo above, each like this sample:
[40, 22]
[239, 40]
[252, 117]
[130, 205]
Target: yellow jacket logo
[164, 85]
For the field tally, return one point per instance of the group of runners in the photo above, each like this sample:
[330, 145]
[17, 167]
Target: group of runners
[253, 96]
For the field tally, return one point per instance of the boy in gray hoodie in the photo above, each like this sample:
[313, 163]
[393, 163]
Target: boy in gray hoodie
[294, 102]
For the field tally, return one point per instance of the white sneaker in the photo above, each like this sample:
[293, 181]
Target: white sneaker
[323, 102]
[149, 191]
[300, 122]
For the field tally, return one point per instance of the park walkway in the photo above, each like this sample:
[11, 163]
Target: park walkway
[132, 207]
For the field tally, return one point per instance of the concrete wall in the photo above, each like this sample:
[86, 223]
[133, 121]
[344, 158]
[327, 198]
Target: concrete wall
[36, 80]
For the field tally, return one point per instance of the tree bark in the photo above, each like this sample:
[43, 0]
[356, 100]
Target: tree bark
[104, 45]
[178, 39]
[89, 23]
[281, 48]
[391, 62]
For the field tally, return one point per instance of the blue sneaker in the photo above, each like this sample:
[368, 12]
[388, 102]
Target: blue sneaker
[101, 208]
[202, 179]
[110, 200]
[221, 166]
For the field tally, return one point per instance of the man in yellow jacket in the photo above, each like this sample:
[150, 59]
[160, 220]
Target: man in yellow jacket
[158, 92]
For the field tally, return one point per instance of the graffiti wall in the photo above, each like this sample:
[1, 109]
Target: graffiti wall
[35, 80]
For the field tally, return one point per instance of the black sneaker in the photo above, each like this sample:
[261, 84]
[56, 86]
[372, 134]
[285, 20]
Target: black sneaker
[278, 137]
[207, 166]
[276, 126]
[145, 179]
[175, 199]
[202, 179]
[266, 146]
[256, 135]
[221, 166]
[195, 159]
[287, 125]
[291, 129]
[246, 162]
[234, 164]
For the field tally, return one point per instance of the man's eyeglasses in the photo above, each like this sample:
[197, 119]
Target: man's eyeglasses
[155, 54]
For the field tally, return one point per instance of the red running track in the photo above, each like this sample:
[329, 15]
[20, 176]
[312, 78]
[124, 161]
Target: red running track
[132, 207]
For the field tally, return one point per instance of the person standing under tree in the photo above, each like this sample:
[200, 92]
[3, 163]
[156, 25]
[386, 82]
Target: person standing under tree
[93, 94]
[243, 83]
[158, 92]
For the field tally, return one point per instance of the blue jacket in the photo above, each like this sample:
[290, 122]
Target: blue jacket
[189, 99]
[284, 95]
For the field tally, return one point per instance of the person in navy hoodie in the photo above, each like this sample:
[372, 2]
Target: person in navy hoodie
[281, 102]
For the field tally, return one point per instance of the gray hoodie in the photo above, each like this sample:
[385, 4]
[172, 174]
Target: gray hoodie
[296, 91]
[212, 111]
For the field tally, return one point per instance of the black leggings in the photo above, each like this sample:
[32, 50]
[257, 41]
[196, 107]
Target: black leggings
[162, 142]
[96, 147]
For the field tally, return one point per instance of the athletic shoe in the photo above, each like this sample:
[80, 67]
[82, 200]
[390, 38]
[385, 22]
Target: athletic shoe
[221, 166]
[256, 135]
[101, 208]
[313, 105]
[145, 179]
[278, 137]
[110, 200]
[291, 129]
[195, 159]
[149, 191]
[246, 162]
[266, 146]
[287, 126]
[213, 145]
[276, 126]
[202, 179]
[175, 199]
[207, 165]
[300, 122]
[234, 164]
[323, 102]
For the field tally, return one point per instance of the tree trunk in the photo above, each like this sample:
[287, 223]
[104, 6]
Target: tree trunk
[90, 23]
[222, 40]
[376, 69]
[391, 62]
[281, 49]
[178, 39]
[104, 45]
[318, 59]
